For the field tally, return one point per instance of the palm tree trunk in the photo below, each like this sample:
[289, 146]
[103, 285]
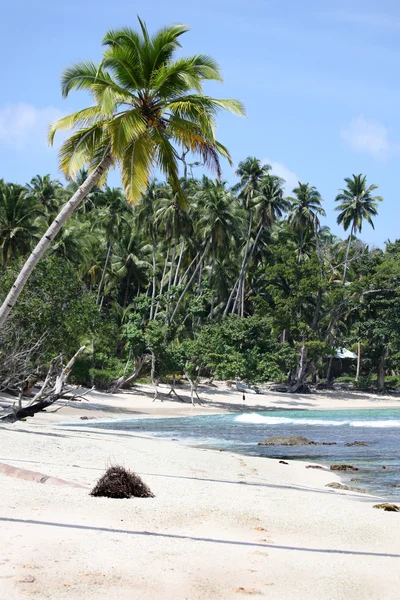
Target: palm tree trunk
[190, 280]
[153, 294]
[230, 298]
[179, 261]
[162, 280]
[381, 368]
[172, 264]
[358, 360]
[243, 267]
[182, 279]
[347, 254]
[44, 244]
[103, 273]
[211, 315]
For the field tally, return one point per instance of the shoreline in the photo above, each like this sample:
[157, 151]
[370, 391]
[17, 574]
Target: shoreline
[221, 525]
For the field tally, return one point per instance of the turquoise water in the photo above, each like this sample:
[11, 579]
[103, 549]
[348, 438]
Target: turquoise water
[379, 428]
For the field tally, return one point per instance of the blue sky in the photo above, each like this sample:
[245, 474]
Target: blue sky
[320, 81]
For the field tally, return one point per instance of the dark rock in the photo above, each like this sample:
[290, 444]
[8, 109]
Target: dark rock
[343, 468]
[341, 486]
[388, 507]
[337, 486]
[314, 467]
[384, 467]
[355, 479]
[292, 440]
[356, 444]
[283, 462]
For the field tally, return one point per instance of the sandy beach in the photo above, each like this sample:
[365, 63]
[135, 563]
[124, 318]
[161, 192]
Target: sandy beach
[220, 526]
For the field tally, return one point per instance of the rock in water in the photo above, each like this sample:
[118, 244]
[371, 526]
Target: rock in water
[343, 468]
[388, 507]
[292, 440]
[356, 444]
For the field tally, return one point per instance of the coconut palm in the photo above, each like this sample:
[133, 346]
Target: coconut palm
[46, 191]
[251, 173]
[110, 217]
[20, 221]
[304, 213]
[146, 105]
[356, 205]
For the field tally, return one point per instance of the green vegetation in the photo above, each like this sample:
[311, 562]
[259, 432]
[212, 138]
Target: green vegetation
[196, 278]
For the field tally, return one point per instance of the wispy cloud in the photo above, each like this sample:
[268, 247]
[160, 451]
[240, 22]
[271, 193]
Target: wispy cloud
[368, 136]
[279, 169]
[23, 125]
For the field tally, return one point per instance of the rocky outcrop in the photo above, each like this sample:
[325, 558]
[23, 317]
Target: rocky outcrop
[292, 440]
[341, 486]
[356, 444]
[343, 468]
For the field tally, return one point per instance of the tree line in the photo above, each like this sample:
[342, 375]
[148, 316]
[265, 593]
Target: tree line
[241, 282]
[181, 276]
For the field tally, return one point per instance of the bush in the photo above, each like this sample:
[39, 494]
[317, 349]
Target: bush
[118, 482]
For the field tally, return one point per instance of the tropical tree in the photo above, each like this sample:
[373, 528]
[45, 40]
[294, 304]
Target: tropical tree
[303, 216]
[20, 223]
[46, 191]
[251, 173]
[356, 205]
[146, 106]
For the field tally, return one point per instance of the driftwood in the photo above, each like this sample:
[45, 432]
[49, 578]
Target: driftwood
[125, 381]
[53, 389]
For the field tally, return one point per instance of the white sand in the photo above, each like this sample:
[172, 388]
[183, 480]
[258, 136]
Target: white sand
[221, 525]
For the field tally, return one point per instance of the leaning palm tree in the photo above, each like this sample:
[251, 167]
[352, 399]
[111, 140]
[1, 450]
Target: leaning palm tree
[146, 106]
[304, 213]
[356, 205]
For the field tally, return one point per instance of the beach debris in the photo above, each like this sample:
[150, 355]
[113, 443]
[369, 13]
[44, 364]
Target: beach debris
[292, 440]
[356, 444]
[343, 468]
[283, 462]
[314, 467]
[388, 507]
[247, 591]
[118, 482]
[355, 479]
[341, 486]
[27, 579]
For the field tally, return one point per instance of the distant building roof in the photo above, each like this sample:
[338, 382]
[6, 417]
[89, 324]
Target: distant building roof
[344, 353]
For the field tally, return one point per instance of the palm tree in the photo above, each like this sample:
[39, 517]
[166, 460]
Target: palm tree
[356, 205]
[20, 221]
[269, 206]
[146, 105]
[110, 218]
[251, 173]
[304, 213]
[46, 191]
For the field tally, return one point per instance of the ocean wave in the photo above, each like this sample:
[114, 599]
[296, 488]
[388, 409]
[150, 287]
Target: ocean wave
[254, 418]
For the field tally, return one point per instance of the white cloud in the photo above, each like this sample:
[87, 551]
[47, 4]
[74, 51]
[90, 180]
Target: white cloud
[281, 170]
[369, 136]
[23, 125]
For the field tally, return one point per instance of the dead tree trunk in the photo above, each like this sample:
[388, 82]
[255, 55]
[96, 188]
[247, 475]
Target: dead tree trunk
[53, 389]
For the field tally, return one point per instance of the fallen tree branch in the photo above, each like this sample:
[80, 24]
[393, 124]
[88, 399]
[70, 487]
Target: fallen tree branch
[53, 389]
